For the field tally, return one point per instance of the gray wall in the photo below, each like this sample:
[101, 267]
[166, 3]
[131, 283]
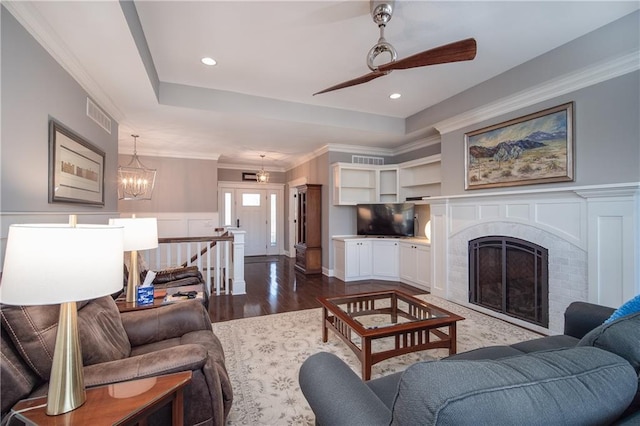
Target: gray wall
[35, 88]
[418, 153]
[607, 148]
[182, 186]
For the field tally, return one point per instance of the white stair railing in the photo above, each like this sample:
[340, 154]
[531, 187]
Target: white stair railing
[213, 256]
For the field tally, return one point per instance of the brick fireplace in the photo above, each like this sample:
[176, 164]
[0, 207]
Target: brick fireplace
[590, 234]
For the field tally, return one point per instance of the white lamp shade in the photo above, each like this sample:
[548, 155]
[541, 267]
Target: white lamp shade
[55, 263]
[139, 233]
[427, 230]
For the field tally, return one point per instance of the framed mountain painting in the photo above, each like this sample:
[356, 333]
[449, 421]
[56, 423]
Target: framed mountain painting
[536, 148]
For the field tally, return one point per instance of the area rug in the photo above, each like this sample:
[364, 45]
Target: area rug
[264, 354]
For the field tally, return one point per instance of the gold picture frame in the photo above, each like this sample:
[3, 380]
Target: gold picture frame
[533, 149]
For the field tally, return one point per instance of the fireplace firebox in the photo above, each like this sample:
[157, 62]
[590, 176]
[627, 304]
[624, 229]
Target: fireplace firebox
[510, 276]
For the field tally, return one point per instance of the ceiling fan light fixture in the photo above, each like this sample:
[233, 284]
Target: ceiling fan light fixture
[208, 61]
[381, 12]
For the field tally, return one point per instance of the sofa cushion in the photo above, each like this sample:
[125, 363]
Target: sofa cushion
[621, 337]
[489, 352]
[33, 331]
[545, 387]
[547, 343]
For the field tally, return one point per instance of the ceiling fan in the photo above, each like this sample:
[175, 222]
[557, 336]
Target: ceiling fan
[381, 12]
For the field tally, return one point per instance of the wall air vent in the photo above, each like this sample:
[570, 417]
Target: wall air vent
[100, 117]
[363, 159]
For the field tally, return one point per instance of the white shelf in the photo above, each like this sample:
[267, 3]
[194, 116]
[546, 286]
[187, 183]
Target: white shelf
[420, 178]
[363, 183]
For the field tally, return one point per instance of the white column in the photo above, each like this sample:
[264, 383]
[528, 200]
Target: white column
[238, 284]
[439, 247]
[614, 234]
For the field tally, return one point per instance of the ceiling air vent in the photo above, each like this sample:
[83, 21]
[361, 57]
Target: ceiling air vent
[99, 116]
[363, 159]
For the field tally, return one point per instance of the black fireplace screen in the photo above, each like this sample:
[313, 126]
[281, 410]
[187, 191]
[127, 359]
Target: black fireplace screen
[510, 276]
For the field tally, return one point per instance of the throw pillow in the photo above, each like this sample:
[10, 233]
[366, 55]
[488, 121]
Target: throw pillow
[630, 307]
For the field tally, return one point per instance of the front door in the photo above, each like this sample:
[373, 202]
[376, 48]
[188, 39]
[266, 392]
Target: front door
[252, 219]
[257, 210]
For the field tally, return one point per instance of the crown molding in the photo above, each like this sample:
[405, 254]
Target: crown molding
[30, 18]
[567, 83]
[420, 143]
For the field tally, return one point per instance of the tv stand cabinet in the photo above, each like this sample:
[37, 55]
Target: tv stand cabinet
[383, 258]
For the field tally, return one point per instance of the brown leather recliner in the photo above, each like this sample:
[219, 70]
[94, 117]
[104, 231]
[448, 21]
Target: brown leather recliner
[118, 347]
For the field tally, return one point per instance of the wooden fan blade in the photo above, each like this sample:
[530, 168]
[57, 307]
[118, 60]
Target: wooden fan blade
[463, 50]
[355, 81]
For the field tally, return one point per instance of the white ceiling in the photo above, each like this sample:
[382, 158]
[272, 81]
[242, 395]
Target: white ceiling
[272, 56]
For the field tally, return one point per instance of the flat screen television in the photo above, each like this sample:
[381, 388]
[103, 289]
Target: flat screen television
[385, 219]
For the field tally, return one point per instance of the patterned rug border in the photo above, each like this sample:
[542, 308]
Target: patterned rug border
[263, 356]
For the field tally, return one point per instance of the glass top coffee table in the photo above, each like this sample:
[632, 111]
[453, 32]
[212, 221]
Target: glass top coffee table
[395, 322]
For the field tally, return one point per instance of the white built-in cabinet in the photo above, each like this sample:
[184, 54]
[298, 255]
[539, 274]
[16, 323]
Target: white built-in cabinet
[391, 259]
[415, 263]
[384, 256]
[363, 183]
[420, 178]
[353, 259]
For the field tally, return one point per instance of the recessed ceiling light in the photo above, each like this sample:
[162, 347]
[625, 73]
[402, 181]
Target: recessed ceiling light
[208, 61]
[395, 95]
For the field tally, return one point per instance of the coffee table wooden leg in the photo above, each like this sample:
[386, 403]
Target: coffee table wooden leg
[325, 333]
[366, 359]
[452, 338]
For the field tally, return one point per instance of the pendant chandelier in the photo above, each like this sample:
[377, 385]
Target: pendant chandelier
[135, 181]
[262, 176]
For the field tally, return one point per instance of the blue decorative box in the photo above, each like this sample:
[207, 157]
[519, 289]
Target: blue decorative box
[145, 295]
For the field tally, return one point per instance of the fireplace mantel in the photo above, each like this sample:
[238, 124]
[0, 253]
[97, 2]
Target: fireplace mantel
[592, 233]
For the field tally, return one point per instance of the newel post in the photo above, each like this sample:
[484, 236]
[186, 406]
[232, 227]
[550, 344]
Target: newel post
[238, 284]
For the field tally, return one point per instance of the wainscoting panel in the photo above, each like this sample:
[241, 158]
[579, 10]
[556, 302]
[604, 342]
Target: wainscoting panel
[613, 250]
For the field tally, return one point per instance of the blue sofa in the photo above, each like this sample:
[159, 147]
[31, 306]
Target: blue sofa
[588, 376]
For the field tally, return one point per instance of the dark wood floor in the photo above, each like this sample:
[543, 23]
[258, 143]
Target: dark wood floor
[274, 286]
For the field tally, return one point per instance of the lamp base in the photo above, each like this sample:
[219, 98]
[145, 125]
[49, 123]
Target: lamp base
[66, 385]
[133, 281]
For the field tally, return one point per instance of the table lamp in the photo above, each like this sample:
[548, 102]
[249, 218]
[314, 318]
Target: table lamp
[74, 263]
[139, 234]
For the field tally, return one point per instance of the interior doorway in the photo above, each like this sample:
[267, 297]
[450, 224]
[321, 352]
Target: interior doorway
[257, 209]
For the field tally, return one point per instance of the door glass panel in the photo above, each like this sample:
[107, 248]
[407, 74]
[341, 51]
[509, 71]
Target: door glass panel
[227, 209]
[272, 221]
[250, 200]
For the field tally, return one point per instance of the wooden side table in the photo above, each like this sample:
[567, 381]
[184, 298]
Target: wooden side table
[125, 403]
[159, 298]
